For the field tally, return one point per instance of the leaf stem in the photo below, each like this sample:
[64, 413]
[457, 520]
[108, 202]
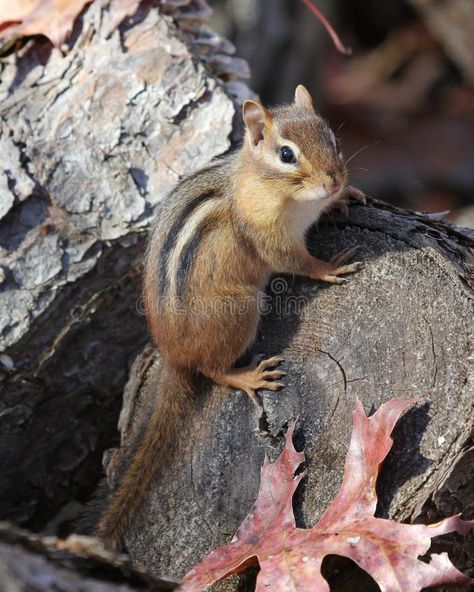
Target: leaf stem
[327, 25]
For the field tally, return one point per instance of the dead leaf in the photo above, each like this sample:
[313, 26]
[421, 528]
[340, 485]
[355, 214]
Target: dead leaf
[290, 558]
[16, 11]
[52, 18]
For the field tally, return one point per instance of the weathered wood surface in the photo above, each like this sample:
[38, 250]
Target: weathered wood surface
[32, 563]
[90, 141]
[402, 327]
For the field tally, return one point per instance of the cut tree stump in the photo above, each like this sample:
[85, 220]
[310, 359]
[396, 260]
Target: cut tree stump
[401, 327]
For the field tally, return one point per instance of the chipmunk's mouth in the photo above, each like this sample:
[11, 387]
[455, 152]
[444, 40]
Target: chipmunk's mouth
[333, 192]
[313, 194]
[320, 193]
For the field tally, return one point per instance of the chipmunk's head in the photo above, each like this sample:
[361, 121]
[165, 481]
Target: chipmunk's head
[295, 147]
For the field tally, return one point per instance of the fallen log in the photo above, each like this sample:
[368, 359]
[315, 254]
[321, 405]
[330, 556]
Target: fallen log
[33, 563]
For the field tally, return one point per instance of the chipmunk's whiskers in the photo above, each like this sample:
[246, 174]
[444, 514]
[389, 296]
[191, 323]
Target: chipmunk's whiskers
[361, 149]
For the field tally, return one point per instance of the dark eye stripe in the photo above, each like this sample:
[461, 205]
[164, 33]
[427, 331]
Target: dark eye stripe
[172, 238]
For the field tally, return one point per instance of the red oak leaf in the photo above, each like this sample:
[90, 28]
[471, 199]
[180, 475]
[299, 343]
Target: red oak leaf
[52, 18]
[290, 558]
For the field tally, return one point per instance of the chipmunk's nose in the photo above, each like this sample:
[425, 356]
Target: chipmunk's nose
[333, 185]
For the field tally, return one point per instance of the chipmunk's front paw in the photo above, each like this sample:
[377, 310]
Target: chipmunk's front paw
[342, 201]
[354, 193]
[337, 268]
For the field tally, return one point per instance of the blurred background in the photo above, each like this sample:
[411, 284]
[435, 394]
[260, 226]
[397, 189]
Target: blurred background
[403, 103]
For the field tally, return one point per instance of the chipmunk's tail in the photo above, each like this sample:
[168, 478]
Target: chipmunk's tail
[152, 453]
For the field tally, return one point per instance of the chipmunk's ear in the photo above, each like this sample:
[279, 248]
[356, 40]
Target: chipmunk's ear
[255, 118]
[303, 99]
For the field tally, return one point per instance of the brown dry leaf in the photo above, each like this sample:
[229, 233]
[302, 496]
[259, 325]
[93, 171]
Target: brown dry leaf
[52, 18]
[290, 558]
[16, 11]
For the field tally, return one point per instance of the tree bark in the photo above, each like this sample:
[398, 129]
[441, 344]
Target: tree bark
[31, 563]
[402, 327]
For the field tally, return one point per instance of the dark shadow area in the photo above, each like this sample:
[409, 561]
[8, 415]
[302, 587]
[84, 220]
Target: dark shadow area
[37, 54]
[59, 420]
[344, 575]
[20, 220]
[248, 580]
[404, 460]
[140, 179]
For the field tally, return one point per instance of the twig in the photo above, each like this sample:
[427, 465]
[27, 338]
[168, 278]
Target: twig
[327, 25]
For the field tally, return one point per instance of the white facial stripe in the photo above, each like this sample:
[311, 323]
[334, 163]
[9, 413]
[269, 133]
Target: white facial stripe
[186, 233]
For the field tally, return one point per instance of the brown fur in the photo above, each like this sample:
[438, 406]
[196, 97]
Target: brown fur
[216, 240]
[154, 450]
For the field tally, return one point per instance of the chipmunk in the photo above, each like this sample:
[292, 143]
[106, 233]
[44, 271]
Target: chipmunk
[219, 236]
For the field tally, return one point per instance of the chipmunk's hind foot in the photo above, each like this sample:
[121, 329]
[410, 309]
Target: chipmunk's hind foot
[259, 374]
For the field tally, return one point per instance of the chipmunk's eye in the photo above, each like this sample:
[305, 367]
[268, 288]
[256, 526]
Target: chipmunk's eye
[287, 155]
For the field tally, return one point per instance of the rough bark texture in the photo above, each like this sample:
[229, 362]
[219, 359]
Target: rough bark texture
[31, 563]
[90, 141]
[402, 327]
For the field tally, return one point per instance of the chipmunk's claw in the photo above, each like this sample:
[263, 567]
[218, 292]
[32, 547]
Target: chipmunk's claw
[354, 193]
[343, 256]
[342, 201]
[262, 373]
[259, 374]
[261, 364]
[338, 268]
